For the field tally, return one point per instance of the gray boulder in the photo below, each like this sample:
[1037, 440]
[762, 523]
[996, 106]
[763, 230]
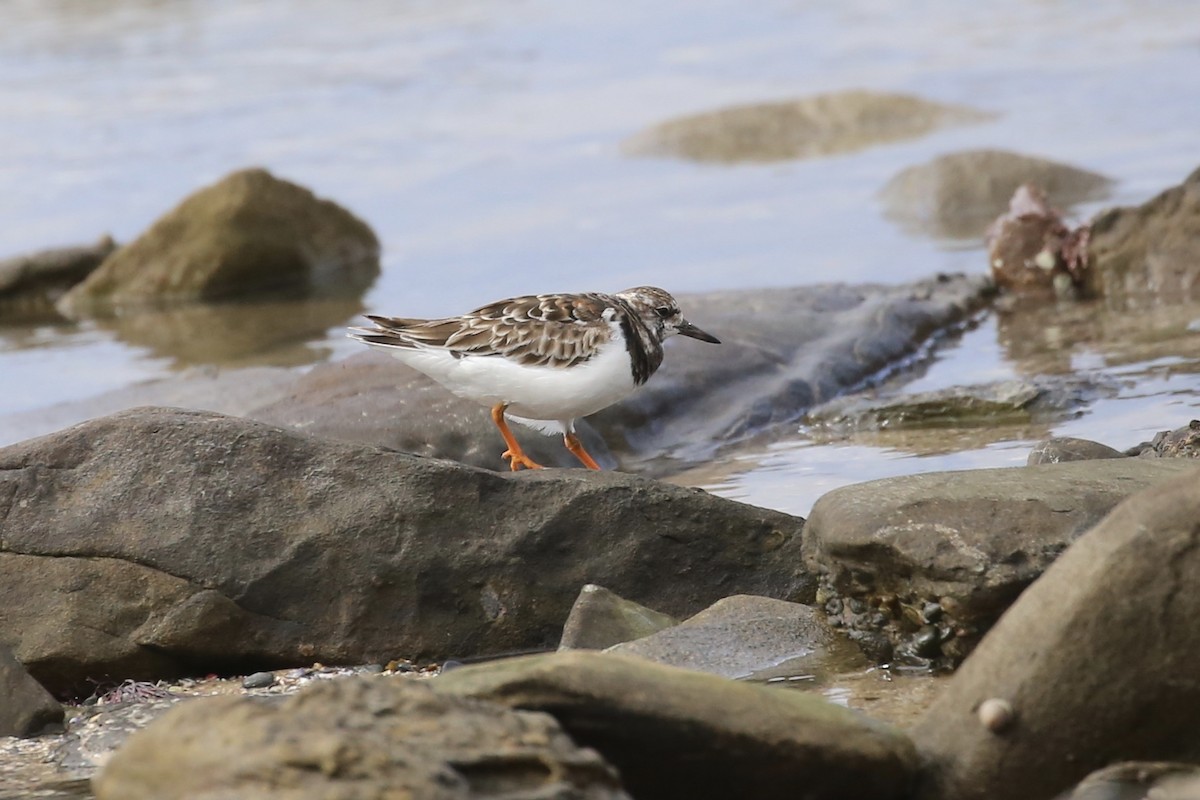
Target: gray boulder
[249, 232]
[839, 122]
[600, 618]
[743, 635]
[958, 195]
[352, 739]
[934, 559]
[673, 733]
[26, 709]
[254, 547]
[1094, 662]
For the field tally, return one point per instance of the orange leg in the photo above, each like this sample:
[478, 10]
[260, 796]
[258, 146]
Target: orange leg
[515, 455]
[576, 447]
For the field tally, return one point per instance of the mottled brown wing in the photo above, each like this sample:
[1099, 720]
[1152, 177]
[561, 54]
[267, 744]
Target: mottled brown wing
[552, 330]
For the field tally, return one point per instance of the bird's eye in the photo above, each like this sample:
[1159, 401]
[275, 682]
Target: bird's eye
[664, 311]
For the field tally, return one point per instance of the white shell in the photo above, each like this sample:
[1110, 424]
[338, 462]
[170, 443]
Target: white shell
[995, 714]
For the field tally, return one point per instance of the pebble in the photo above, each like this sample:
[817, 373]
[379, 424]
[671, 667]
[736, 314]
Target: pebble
[259, 680]
[450, 664]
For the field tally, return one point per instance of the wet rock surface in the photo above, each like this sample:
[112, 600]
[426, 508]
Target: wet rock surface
[740, 636]
[249, 232]
[933, 560]
[673, 733]
[601, 618]
[783, 351]
[1040, 399]
[361, 737]
[958, 195]
[825, 124]
[1093, 659]
[255, 547]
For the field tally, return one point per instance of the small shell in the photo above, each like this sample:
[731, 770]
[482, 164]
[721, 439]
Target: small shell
[995, 714]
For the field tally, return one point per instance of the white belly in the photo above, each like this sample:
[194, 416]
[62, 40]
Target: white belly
[532, 394]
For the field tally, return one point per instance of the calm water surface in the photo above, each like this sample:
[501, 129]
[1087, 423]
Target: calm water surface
[481, 140]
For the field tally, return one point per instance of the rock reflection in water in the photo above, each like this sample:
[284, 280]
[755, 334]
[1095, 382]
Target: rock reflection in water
[249, 333]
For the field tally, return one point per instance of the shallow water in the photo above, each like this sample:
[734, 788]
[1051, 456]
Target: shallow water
[482, 140]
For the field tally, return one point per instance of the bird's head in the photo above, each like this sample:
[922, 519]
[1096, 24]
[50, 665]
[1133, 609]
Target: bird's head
[660, 313]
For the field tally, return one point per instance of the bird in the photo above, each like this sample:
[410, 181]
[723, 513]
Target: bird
[541, 360]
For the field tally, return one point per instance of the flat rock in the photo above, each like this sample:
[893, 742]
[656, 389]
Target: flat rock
[959, 194]
[839, 122]
[1148, 254]
[739, 636]
[601, 618]
[1096, 661]
[354, 738]
[249, 232]
[674, 733]
[253, 547]
[26, 708]
[934, 559]
[1020, 400]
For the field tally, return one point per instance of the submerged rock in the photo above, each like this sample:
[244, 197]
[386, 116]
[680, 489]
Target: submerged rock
[355, 738]
[252, 547]
[248, 233]
[673, 733]
[958, 195]
[1096, 659]
[839, 122]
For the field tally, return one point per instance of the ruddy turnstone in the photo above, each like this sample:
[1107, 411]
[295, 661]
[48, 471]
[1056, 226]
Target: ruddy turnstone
[544, 360]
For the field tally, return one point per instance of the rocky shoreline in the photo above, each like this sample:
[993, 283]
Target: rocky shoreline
[321, 520]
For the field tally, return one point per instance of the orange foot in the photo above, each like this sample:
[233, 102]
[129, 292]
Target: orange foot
[576, 447]
[518, 460]
[515, 455]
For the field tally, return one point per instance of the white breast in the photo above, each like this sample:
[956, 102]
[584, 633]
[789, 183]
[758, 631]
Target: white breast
[533, 394]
